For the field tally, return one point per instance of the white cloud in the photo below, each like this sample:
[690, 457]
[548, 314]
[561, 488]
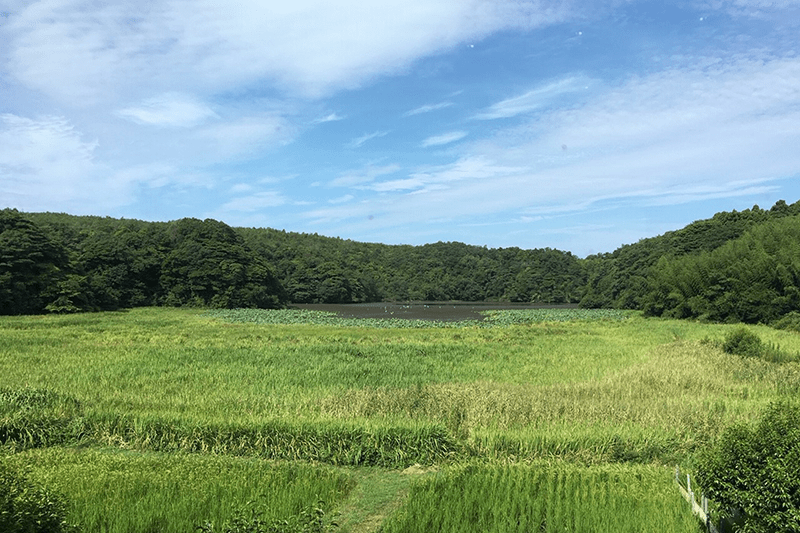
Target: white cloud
[241, 137]
[240, 188]
[81, 51]
[332, 117]
[45, 163]
[445, 138]
[355, 143]
[672, 137]
[397, 185]
[342, 199]
[255, 202]
[427, 109]
[367, 174]
[171, 110]
[534, 99]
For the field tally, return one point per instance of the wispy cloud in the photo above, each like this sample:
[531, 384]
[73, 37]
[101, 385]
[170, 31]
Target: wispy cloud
[364, 175]
[427, 109]
[45, 162]
[332, 117]
[342, 199]
[359, 141]
[532, 100]
[445, 138]
[733, 128]
[170, 110]
[241, 137]
[206, 43]
[405, 184]
[255, 202]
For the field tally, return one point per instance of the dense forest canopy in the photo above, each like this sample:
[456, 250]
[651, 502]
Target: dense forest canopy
[735, 266]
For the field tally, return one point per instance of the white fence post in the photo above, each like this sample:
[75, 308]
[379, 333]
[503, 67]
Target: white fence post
[700, 509]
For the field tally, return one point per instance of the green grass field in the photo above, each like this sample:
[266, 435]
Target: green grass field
[162, 419]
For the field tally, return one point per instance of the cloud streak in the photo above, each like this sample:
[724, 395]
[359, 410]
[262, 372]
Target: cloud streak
[534, 99]
[445, 138]
[428, 108]
[171, 110]
[360, 141]
[733, 128]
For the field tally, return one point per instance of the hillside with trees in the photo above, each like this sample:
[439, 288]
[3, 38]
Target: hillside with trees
[64, 263]
[621, 279]
[735, 266]
[754, 278]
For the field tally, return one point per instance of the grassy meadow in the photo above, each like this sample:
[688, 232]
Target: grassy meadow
[162, 419]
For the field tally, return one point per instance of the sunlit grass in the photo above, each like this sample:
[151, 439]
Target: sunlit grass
[113, 491]
[184, 368]
[545, 498]
[590, 391]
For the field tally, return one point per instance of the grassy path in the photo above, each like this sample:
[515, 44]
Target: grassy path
[377, 494]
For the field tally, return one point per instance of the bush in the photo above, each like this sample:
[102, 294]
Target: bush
[789, 321]
[27, 508]
[757, 470]
[742, 341]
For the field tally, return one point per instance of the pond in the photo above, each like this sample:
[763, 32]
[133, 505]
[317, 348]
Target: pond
[438, 311]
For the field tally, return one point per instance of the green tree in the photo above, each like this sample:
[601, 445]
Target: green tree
[757, 469]
[31, 265]
[209, 265]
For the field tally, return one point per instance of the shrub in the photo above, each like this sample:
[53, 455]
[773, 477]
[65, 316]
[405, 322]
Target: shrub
[757, 470]
[27, 508]
[742, 341]
[789, 321]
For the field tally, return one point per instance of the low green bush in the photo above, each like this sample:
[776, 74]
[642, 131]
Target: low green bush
[742, 341]
[746, 343]
[789, 321]
[757, 470]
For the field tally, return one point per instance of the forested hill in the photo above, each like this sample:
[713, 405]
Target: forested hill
[321, 269]
[679, 272]
[59, 262]
[735, 266]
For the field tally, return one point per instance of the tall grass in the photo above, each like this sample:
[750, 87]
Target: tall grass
[544, 498]
[124, 492]
[594, 392]
[174, 379]
[333, 443]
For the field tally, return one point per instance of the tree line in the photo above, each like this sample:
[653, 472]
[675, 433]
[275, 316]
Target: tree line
[62, 263]
[735, 266]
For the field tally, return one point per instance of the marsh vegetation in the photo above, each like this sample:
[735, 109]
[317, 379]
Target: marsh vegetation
[162, 419]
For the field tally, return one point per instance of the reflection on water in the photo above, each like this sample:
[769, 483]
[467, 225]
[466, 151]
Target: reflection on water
[441, 311]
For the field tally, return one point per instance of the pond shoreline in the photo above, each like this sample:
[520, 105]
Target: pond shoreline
[452, 311]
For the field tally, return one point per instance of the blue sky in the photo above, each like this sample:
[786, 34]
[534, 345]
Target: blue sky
[580, 126]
